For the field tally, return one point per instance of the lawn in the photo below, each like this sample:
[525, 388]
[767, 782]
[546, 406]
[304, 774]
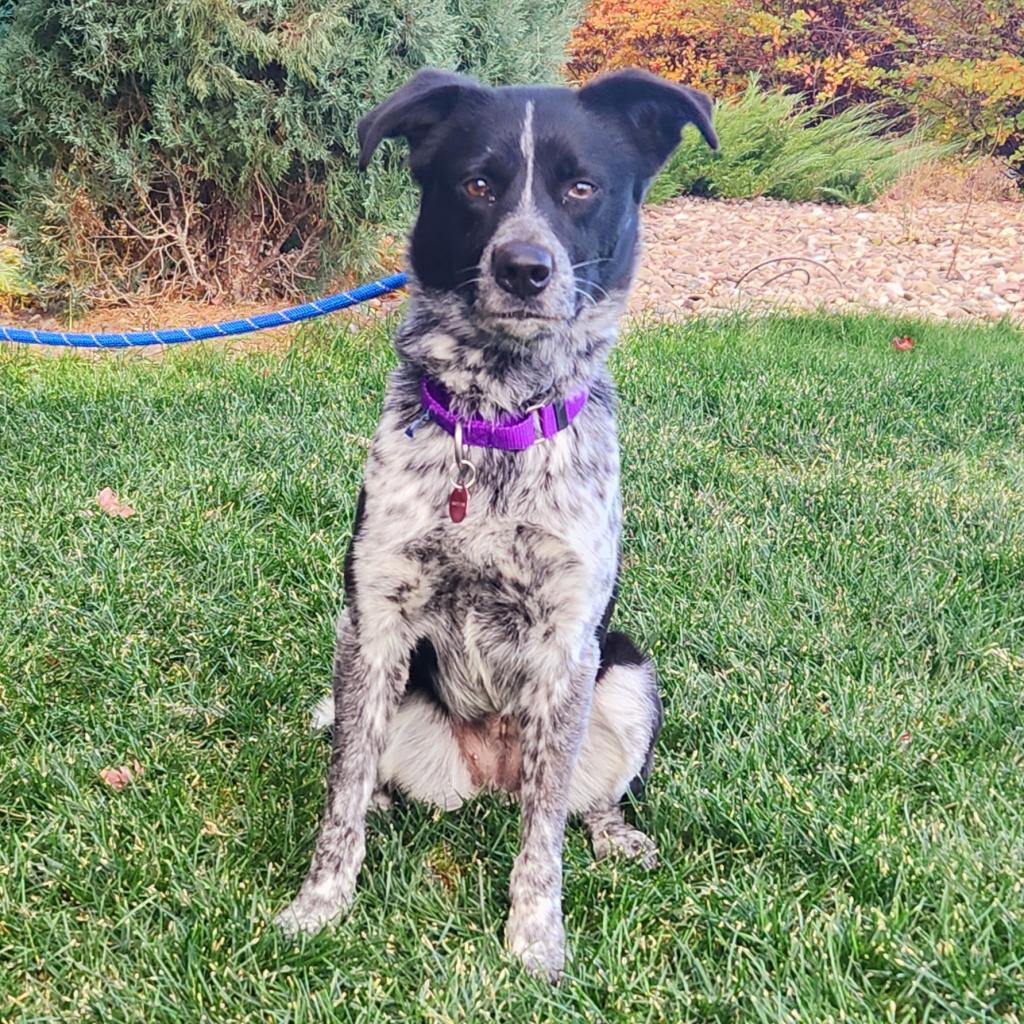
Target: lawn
[824, 550]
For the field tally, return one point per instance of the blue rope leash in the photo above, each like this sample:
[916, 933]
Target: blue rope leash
[178, 335]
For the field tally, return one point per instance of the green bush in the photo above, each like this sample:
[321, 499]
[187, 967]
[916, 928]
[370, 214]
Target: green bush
[773, 144]
[209, 147]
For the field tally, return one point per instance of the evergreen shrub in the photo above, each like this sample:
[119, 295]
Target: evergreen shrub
[207, 147]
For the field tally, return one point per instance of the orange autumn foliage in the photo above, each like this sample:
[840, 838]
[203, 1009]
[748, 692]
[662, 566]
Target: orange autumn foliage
[956, 65]
[829, 49]
[692, 41]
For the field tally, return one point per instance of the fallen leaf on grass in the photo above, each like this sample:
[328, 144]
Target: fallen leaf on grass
[118, 778]
[904, 343]
[443, 868]
[109, 502]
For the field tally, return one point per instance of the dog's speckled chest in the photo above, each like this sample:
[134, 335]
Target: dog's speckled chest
[537, 550]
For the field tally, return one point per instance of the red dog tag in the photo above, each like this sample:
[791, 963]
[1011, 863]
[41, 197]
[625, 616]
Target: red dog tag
[458, 504]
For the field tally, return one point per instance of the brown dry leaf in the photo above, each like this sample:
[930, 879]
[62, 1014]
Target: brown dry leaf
[109, 502]
[118, 778]
[443, 868]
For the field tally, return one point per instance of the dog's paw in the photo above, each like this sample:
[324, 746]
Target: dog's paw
[536, 936]
[627, 842]
[381, 800]
[309, 912]
[322, 715]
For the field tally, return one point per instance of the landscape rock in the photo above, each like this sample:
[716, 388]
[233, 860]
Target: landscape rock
[930, 258]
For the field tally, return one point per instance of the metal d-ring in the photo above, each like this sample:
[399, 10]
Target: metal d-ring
[540, 439]
[463, 473]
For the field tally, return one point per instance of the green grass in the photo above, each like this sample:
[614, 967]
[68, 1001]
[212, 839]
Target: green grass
[824, 550]
[772, 144]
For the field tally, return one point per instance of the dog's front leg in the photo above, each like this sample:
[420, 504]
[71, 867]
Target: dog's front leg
[369, 677]
[553, 719]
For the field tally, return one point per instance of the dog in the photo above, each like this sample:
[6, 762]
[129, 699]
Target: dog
[474, 649]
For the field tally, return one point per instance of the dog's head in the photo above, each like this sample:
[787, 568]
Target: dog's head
[530, 195]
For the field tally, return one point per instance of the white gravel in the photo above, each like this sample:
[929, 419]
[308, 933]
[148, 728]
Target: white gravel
[938, 259]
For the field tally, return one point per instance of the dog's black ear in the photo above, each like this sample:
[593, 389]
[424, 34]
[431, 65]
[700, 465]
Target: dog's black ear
[419, 106]
[655, 110]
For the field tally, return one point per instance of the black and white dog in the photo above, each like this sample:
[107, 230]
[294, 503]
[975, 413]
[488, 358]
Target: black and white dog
[473, 651]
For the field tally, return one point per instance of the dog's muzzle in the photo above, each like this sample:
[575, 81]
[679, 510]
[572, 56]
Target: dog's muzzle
[526, 281]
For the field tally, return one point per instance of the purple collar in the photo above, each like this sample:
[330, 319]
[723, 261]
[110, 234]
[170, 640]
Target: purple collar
[509, 433]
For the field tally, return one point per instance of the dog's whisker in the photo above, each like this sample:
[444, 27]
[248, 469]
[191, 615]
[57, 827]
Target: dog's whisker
[587, 263]
[593, 284]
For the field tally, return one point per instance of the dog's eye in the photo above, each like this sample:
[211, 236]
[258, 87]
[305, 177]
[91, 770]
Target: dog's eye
[581, 190]
[479, 188]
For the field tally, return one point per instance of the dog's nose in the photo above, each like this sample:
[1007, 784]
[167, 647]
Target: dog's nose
[521, 268]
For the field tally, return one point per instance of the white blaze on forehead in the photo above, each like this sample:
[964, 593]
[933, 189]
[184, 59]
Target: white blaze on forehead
[527, 146]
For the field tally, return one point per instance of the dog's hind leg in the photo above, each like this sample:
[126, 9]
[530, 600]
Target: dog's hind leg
[618, 750]
[322, 715]
[611, 833]
[422, 759]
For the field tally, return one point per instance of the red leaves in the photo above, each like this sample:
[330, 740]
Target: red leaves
[109, 502]
[904, 343]
[118, 778]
